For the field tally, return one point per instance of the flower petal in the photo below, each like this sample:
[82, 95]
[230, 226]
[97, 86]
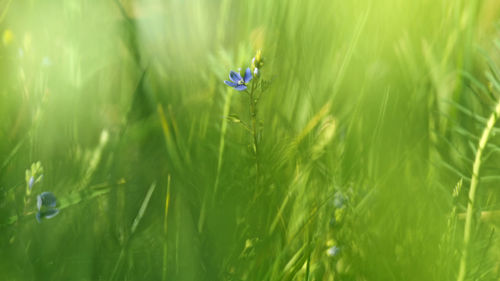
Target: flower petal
[230, 84]
[51, 213]
[235, 76]
[39, 202]
[46, 199]
[46, 214]
[240, 87]
[248, 75]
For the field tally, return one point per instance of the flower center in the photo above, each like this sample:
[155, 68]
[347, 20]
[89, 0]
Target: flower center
[241, 82]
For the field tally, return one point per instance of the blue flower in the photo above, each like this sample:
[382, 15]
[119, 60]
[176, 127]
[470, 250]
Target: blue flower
[238, 82]
[333, 251]
[46, 204]
[339, 200]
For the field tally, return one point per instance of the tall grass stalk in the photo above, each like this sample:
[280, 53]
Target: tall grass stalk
[203, 209]
[462, 272]
[94, 160]
[165, 228]
[136, 222]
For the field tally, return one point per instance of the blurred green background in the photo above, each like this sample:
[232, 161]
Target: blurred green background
[370, 118]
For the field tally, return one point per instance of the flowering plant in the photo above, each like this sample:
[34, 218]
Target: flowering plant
[241, 83]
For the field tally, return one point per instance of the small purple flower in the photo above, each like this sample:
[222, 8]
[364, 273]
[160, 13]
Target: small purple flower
[238, 82]
[333, 251]
[339, 200]
[46, 204]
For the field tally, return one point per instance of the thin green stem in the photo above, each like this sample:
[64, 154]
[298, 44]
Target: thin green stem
[253, 115]
[165, 224]
[462, 272]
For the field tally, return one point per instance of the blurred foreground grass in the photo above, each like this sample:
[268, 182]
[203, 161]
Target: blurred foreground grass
[371, 120]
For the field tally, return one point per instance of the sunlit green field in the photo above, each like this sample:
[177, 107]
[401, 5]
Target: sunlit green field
[363, 148]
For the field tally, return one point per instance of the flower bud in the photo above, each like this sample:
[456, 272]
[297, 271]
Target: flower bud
[257, 61]
[258, 56]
